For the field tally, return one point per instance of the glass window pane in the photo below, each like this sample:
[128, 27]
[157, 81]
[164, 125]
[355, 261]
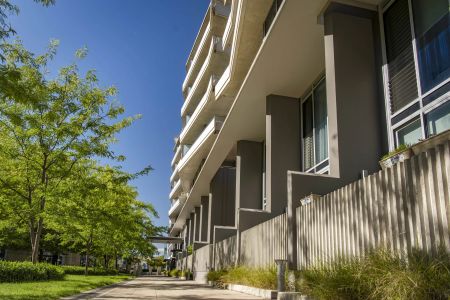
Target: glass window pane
[432, 28]
[307, 117]
[410, 134]
[320, 122]
[439, 119]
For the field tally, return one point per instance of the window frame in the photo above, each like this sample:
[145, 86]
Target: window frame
[423, 109]
[304, 98]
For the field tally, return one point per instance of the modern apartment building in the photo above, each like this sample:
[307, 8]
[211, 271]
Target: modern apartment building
[285, 98]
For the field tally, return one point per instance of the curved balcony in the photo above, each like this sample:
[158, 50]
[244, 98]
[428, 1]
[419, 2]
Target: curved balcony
[176, 207]
[176, 157]
[176, 190]
[199, 116]
[215, 63]
[175, 175]
[229, 27]
[213, 23]
[200, 149]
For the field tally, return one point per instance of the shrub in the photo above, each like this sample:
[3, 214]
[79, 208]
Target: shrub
[79, 270]
[175, 273]
[264, 278]
[27, 271]
[381, 275]
[217, 277]
[397, 150]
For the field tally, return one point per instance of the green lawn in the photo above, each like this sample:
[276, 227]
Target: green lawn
[72, 284]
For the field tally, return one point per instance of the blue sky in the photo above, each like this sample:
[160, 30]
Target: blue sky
[141, 47]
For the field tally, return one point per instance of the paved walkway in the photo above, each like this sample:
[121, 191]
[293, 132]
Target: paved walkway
[153, 287]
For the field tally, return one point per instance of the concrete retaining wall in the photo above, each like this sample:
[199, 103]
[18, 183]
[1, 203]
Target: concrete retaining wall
[201, 260]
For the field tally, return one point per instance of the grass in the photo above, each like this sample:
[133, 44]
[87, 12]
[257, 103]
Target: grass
[54, 289]
[381, 275]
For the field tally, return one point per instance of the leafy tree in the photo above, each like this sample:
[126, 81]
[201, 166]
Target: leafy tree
[98, 213]
[46, 127]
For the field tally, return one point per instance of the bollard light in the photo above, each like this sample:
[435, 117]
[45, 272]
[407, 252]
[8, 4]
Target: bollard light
[281, 270]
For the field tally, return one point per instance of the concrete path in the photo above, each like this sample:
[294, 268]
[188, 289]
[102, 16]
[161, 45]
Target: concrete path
[153, 287]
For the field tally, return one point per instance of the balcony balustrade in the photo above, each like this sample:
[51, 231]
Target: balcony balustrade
[176, 190]
[199, 149]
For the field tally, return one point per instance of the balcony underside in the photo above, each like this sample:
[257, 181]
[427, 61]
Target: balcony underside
[176, 190]
[175, 209]
[215, 63]
[214, 29]
[190, 163]
[206, 109]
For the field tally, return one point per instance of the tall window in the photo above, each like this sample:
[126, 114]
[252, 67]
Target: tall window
[417, 44]
[315, 129]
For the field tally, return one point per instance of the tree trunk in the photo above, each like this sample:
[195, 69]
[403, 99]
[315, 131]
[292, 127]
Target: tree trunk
[116, 262]
[86, 263]
[36, 241]
[106, 261]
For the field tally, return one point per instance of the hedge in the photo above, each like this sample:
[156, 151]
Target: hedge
[79, 270]
[26, 271]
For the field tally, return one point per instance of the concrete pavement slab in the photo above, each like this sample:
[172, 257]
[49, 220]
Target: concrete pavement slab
[161, 288]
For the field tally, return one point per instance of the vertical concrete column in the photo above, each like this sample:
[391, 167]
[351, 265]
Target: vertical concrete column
[191, 228]
[222, 199]
[283, 154]
[249, 164]
[185, 235]
[223, 195]
[197, 224]
[354, 98]
[188, 233]
[282, 148]
[204, 214]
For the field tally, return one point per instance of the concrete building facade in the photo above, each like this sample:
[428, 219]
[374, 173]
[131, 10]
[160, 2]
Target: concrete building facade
[287, 98]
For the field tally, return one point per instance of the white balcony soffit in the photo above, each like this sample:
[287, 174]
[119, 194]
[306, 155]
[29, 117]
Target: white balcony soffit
[190, 162]
[198, 53]
[205, 23]
[227, 33]
[194, 119]
[205, 69]
[176, 156]
[175, 208]
[176, 190]
[174, 175]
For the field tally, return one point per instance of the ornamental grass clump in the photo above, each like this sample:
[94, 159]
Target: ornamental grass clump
[217, 277]
[264, 278]
[27, 271]
[381, 275]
